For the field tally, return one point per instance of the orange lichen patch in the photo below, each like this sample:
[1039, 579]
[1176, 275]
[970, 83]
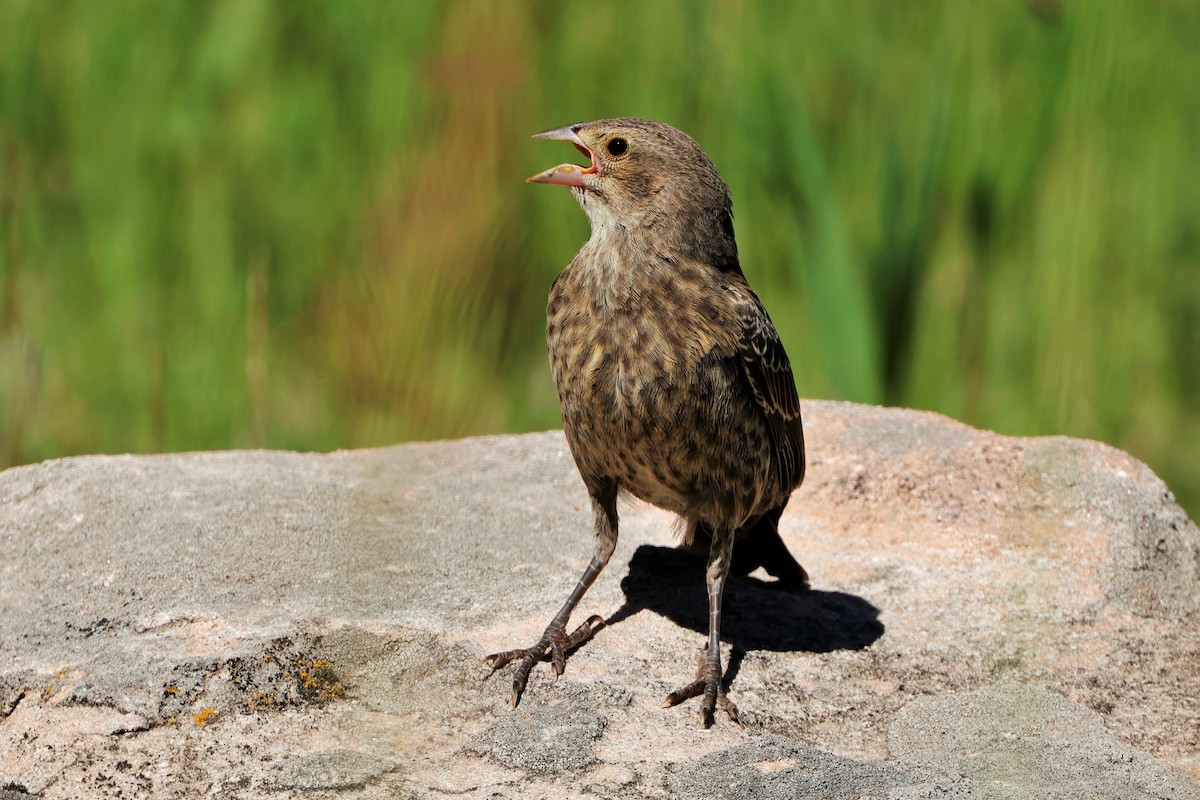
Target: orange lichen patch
[172, 689]
[286, 677]
[262, 700]
[49, 689]
[317, 678]
[204, 716]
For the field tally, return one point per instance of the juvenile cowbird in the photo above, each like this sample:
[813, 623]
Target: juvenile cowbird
[674, 385]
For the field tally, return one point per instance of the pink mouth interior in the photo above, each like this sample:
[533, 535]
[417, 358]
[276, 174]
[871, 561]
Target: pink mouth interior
[591, 164]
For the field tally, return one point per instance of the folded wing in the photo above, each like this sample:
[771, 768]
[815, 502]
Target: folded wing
[769, 374]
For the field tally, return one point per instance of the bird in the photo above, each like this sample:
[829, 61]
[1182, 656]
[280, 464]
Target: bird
[674, 385]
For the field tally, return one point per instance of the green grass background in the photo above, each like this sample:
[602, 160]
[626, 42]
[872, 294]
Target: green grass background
[291, 224]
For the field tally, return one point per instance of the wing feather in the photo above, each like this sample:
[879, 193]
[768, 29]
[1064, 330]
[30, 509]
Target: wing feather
[769, 374]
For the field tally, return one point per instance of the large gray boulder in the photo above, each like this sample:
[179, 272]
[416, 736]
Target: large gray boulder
[990, 617]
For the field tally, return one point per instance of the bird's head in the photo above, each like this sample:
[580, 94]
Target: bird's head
[651, 179]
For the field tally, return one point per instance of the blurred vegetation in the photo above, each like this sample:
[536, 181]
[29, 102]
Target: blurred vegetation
[278, 223]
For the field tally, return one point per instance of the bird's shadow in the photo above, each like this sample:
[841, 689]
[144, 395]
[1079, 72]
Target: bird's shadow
[755, 615]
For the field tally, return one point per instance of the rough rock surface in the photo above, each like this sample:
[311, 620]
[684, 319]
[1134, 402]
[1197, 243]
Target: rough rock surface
[990, 617]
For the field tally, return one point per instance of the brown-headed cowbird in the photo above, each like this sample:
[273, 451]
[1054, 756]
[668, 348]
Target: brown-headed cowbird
[674, 385]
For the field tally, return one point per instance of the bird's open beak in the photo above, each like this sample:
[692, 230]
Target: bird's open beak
[565, 174]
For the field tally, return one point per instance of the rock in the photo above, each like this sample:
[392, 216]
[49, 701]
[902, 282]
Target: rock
[768, 768]
[990, 617]
[1009, 736]
[334, 769]
[555, 737]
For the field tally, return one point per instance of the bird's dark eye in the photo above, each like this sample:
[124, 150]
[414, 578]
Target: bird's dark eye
[617, 146]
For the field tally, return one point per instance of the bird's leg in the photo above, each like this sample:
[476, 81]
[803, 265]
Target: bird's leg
[556, 642]
[708, 677]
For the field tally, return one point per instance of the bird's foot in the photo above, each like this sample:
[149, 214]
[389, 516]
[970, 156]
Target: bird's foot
[707, 683]
[553, 647]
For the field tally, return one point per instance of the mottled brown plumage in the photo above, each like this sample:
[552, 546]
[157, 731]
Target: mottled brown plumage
[673, 382]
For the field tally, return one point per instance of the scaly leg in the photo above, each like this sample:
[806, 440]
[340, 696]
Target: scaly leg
[555, 642]
[758, 544]
[708, 677]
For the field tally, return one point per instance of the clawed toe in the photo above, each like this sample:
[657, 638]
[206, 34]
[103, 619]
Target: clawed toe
[708, 684]
[499, 660]
[553, 647]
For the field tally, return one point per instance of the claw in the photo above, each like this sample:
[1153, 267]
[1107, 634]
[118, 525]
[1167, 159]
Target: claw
[553, 647]
[729, 708]
[585, 631]
[707, 683]
[521, 676]
[499, 660]
[685, 693]
[558, 658]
